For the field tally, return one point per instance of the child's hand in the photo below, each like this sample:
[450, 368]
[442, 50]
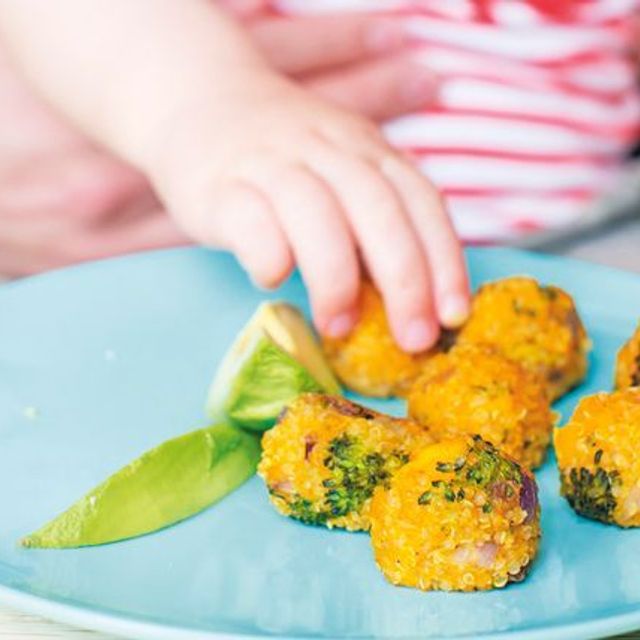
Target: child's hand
[55, 183]
[246, 160]
[280, 177]
[356, 60]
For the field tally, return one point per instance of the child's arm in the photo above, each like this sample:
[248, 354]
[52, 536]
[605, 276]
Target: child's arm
[246, 160]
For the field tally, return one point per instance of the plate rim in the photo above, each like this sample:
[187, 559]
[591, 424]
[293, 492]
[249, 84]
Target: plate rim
[129, 625]
[539, 256]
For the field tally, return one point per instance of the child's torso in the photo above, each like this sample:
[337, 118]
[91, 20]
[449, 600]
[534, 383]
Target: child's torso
[537, 107]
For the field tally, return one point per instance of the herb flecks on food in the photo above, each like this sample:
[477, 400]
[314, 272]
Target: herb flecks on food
[302, 509]
[446, 467]
[489, 468]
[522, 310]
[591, 493]
[482, 466]
[356, 472]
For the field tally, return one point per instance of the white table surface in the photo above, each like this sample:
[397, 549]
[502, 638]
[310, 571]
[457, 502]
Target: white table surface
[619, 247]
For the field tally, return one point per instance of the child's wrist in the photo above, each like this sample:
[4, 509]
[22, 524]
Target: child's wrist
[171, 144]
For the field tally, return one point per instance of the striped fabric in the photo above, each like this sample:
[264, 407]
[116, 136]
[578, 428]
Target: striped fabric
[537, 109]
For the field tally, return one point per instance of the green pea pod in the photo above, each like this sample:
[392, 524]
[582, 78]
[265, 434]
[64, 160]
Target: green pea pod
[177, 479]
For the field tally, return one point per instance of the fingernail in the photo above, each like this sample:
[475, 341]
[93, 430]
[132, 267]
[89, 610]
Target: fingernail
[420, 88]
[384, 36]
[339, 326]
[418, 336]
[455, 311]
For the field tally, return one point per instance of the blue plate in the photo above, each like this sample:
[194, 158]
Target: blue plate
[101, 362]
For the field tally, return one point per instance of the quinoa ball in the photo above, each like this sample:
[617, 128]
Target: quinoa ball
[325, 457]
[461, 516]
[475, 389]
[598, 453]
[628, 363]
[537, 326]
[368, 360]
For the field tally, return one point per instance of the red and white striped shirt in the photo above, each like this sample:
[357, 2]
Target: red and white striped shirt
[537, 108]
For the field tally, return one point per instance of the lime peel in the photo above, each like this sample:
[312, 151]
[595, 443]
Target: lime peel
[274, 359]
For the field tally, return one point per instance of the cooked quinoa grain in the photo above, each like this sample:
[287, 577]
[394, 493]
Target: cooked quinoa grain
[368, 360]
[628, 363]
[475, 389]
[460, 517]
[537, 326]
[326, 455]
[598, 454]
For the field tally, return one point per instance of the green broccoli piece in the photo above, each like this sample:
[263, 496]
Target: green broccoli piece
[484, 466]
[356, 472]
[302, 508]
[489, 468]
[591, 494]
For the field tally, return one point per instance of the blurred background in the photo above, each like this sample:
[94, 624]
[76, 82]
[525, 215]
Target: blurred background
[527, 118]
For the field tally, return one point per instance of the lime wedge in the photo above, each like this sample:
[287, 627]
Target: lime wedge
[274, 359]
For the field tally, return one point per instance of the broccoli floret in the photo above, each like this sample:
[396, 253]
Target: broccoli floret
[488, 468]
[591, 494]
[302, 509]
[355, 473]
[484, 466]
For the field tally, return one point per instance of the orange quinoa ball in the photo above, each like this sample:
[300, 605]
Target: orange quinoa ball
[537, 326]
[460, 517]
[326, 456]
[598, 454]
[368, 360]
[474, 389]
[628, 363]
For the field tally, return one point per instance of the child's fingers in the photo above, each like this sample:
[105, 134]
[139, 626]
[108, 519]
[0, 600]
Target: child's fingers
[322, 244]
[390, 246]
[438, 237]
[302, 45]
[242, 220]
[379, 89]
[247, 9]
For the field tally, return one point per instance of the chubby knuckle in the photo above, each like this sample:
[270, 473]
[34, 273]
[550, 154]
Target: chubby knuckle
[262, 164]
[275, 268]
[367, 129]
[342, 276]
[456, 283]
[299, 182]
[388, 212]
[407, 281]
[291, 172]
[337, 291]
[355, 132]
